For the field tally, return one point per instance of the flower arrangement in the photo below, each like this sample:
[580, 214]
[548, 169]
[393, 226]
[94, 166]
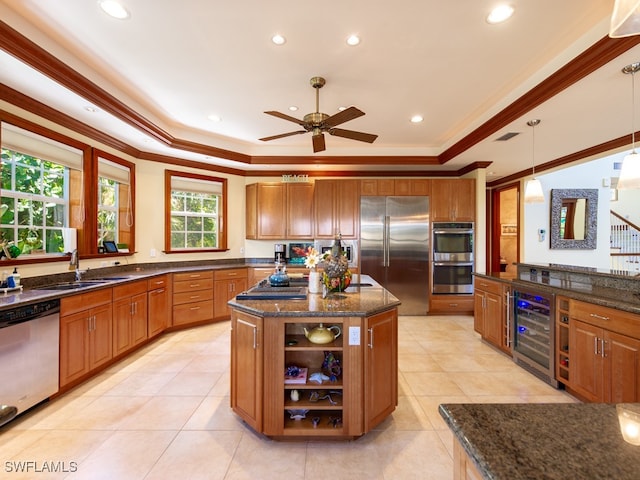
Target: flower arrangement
[313, 258]
[336, 276]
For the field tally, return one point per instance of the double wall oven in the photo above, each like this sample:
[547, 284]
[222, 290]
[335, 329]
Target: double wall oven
[452, 270]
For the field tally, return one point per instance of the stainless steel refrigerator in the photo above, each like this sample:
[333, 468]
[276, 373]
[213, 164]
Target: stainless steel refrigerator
[394, 248]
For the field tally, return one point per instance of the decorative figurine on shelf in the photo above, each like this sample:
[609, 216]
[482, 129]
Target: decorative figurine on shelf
[336, 276]
[331, 366]
[295, 395]
[312, 261]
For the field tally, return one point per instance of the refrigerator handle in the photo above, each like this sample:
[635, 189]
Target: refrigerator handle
[385, 242]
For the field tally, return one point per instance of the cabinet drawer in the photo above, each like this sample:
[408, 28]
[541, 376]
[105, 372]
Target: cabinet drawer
[230, 274]
[487, 285]
[129, 290]
[198, 275]
[451, 305]
[192, 312]
[192, 296]
[192, 285]
[608, 318]
[161, 281]
[85, 301]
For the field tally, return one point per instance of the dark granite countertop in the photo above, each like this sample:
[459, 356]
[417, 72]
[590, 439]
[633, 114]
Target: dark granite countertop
[544, 441]
[354, 301]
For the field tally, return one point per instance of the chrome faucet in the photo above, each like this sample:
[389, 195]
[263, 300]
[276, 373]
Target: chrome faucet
[74, 264]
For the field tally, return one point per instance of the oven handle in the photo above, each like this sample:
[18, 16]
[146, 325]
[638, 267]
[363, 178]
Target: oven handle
[452, 230]
[453, 264]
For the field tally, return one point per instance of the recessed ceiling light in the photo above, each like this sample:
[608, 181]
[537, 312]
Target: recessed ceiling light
[417, 119]
[278, 39]
[293, 108]
[500, 14]
[91, 109]
[353, 40]
[114, 9]
[341, 108]
[214, 118]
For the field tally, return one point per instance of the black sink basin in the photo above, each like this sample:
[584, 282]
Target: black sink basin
[72, 285]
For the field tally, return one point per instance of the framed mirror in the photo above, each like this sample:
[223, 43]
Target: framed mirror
[574, 218]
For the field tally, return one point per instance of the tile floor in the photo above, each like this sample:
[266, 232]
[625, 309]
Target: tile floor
[163, 413]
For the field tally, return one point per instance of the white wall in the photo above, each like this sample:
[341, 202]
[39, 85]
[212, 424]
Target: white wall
[537, 216]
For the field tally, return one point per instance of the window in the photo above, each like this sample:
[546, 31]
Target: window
[35, 201]
[115, 200]
[194, 212]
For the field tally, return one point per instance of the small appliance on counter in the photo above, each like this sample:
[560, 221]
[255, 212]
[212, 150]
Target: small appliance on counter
[280, 252]
[279, 278]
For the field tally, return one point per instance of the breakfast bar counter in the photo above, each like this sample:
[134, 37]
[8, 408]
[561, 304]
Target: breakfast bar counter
[315, 367]
[543, 441]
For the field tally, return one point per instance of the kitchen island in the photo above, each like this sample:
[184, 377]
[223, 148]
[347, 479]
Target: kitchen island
[541, 441]
[351, 382]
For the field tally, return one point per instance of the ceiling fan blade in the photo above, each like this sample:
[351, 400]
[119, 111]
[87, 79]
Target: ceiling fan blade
[282, 135]
[353, 135]
[284, 116]
[343, 116]
[318, 143]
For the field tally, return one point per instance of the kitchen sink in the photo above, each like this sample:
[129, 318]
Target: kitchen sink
[72, 285]
[107, 279]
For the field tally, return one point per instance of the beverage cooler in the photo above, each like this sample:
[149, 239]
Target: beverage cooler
[534, 333]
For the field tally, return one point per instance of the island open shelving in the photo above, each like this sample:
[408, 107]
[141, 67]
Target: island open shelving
[267, 338]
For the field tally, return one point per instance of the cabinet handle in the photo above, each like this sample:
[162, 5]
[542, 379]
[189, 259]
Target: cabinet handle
[194, 285]
[255, 338]
[507, 302]
[600, 317]
[193, 297]
[453, 304]
[595, 345]
[194, 308]
[602, 352]
[370, 345]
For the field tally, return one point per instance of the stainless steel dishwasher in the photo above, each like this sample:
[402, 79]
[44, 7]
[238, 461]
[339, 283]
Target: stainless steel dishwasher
[29, 356]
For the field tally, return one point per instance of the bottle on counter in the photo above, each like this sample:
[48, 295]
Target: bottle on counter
[16, 277]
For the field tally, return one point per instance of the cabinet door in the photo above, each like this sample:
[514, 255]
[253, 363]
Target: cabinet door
[493, 319]
[622, 368]
[453, 200]
[347, 210]
[380, 368]
[139, 319]
[324, 200]
[478, 311]
[300, 222]
[246, 368]
[251, 218]
[74, 347]
[121, 326]
[159, 311]
[271, 210]
[586, 366]
[101, 348]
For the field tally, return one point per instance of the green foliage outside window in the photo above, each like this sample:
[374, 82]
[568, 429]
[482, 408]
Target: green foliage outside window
[33, 206]
[194, 220]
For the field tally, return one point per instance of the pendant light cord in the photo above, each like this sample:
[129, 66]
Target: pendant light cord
[532, 124]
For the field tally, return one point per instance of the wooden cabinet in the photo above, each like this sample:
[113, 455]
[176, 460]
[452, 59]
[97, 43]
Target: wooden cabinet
[492, 317]
[85, 334]
[363, 392]
[463, 466]
[192, 297]
[279, 210]
[337, 208]
[399, 187]
[227, 284]
[159, 304]
[604, 349]
[443, 304]
[129, 316]
[246, 367]
[563, 359]
[453, 200]
[380, 368]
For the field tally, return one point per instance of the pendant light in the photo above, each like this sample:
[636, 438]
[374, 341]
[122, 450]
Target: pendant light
[533, 188]
[625, 20]
[630, 171]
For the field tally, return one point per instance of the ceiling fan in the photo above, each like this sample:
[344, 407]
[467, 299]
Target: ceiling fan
[318, 122]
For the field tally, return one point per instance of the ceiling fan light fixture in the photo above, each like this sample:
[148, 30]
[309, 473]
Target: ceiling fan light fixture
[625, 19]
[500, 14]
[114, 9]
[278, 39]
[353, 40]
